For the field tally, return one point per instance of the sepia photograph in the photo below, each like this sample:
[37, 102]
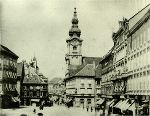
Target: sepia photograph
[74, 57]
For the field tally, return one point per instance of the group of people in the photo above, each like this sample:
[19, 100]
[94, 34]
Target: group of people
[89, 108]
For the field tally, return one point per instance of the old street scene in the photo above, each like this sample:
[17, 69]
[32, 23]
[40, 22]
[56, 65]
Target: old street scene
[75, 58]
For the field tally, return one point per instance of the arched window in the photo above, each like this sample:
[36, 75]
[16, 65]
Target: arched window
[74, 47]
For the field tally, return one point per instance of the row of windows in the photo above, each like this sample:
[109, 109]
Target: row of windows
[10, 62]
[31, 94]
[141, 74]
[139, 40]
[138, 60]
[138, 84]
[34, 87]
[9, 86]
[107, 76]
[83, 85]
[8, 74]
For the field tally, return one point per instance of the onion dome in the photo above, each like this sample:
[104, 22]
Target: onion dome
[74, 29]
[75, 19]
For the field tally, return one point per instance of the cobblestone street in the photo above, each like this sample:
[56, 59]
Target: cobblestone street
[47, 111]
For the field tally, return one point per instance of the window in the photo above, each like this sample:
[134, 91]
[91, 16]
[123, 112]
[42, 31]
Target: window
[89, 101]
[89, 90]
[25, 93]
[31, 94]
[82, 101]
[82, 84]
[90, 85]
[82, 90]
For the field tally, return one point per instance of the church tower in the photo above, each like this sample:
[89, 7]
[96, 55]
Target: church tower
[74, 43]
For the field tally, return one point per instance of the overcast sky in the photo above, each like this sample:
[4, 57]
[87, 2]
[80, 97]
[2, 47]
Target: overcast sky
[40, 28]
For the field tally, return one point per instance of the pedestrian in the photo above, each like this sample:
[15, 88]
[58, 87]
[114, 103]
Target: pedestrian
[87, 108]
[34, 110]
[91, 109]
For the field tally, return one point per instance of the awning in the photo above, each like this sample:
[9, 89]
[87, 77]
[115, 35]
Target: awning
[132, 107]
[100, 101]
[110, 102]
[119, 104]
[35, 100]
[126, 105]
[14, 100]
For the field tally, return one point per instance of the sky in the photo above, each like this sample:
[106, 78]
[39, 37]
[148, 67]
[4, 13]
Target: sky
[40, 28]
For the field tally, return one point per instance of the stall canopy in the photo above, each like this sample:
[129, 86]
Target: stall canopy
[99, 102]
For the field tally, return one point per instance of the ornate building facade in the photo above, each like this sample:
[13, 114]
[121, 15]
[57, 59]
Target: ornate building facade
[34, 88]
[8, 78]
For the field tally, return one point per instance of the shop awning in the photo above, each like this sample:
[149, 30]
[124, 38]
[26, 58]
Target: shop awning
[119, 104]
[132, 107]
[35, 100]
[100, 101]
[14, 99]
[110, 102]
[126, 105]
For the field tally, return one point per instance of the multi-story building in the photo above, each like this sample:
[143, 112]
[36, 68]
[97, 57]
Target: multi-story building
[80, 76]
[34, 89]
[130, 66]
[56, 87]
[138, 53]
[8, 78]
[107, 87]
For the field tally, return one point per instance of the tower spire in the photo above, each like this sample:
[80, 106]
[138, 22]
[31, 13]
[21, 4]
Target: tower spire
[75, 12]
[74, 29]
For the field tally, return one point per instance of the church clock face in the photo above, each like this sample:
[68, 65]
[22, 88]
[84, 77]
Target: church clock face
[74, 42]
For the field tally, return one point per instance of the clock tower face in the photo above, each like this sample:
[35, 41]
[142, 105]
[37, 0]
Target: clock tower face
[74, 42]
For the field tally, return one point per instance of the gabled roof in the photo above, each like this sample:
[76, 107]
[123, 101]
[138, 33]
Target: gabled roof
[55, 80]
[34, 79]
[88, 70]
[8, 51]
[73, 69]
[31, 77]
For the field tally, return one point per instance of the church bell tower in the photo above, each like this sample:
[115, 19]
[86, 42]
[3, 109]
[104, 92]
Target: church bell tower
[74, 43]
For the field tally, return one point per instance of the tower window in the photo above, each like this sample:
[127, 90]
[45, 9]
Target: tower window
[74, 47]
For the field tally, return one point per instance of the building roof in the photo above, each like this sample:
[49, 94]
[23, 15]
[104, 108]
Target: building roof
[135, 18]
[31, 77]
[108, 54]
[8, 51]
[88, 70]
[91, 60]
[55, 80]
[34, 79]
[132, 21]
